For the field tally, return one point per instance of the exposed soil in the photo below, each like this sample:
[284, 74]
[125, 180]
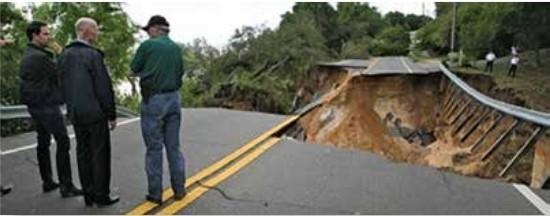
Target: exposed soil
[402, 118]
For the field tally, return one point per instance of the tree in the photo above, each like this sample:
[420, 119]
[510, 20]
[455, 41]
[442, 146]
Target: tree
[12, 24]
[484, 26]
[395, 18]
[530, 25]
[360, 19]
[117, 30]
[414, 22]
[391, 41]
[323, 16]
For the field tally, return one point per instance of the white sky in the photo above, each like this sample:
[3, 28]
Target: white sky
[216, 20]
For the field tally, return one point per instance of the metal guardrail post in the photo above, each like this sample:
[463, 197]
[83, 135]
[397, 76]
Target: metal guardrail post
[449, 93]
[476, 124]
[468, 102]
[455, 98]
[499, 140]
[522, 150]
[482, 137]
[465, 120]
[453, 108]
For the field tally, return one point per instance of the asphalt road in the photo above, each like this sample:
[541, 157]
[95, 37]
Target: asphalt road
[396, 65]
[208, 135]
[290, 178]
[299, 178]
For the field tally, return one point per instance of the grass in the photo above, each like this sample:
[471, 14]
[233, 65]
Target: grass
[532, 83]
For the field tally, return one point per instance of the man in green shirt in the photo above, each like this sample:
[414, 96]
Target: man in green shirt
[159, 65]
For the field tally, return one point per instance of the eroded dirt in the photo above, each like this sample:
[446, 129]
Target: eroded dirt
[402, 117]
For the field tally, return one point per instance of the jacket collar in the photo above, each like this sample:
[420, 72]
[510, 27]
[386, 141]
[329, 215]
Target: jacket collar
[41, 49]
[80, 43]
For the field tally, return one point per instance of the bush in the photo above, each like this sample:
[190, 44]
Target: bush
[391, 41]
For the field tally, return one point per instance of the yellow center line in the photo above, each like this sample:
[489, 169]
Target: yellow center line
[334, 93]
[146, 206]
[177, 206]
[370, 67]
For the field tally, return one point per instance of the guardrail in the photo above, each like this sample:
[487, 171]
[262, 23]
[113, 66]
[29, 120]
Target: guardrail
[460, 104]
[510, 109]
[20, 111]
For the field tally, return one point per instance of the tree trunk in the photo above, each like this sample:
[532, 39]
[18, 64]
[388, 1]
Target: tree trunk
[537, 57]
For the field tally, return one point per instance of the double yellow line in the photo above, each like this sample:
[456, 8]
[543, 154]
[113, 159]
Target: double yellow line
[216, 173]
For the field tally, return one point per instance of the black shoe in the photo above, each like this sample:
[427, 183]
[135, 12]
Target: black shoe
[179, 197]
[50, 186]
[153, 200]
[88, 200]
[70, 191]
[6, 189]
[105, 201]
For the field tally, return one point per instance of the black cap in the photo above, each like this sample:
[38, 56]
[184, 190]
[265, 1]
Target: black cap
[156, 20]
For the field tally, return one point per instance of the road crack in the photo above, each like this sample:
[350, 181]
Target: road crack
[266, 203]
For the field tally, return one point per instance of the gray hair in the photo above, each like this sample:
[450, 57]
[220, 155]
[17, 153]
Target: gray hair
[83, 22]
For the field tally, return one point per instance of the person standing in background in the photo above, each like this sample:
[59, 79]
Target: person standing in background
[490, 59]
[514, 61]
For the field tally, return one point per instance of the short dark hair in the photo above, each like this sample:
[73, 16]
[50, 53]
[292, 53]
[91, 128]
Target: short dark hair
[34, 28]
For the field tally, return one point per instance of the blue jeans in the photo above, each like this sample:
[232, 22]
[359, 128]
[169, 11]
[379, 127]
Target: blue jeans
[160, 126]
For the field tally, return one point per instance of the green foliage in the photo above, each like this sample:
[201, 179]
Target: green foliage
[489, 26]
[357, 21]
[434, 36]
[395, 18]
[131, 102]
[391, 41]
[193, 94]
[260, 66]
[116, 39]
[12, 24]
[414, 22]
[322, 15]
[356, 49]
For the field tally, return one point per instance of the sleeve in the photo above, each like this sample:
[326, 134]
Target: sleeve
[138, 63]
[103, 87]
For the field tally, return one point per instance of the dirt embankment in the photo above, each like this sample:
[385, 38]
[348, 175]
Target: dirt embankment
[401, 117]
[486, 85]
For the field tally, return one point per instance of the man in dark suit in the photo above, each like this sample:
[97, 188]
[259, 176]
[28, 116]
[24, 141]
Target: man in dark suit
[91, 107]
[41, 92]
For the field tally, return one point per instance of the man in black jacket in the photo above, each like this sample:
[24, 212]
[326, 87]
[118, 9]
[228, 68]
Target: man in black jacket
[41, 92]
[91, 107]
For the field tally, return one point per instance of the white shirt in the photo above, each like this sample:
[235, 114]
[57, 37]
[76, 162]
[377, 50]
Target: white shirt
[514, 50]
[490, 56]
[514, 60]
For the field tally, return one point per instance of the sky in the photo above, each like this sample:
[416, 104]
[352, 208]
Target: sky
[216, 20]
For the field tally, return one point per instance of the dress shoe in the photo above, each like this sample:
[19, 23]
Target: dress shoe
[180, 196]
[6, 189]
[50, 186]
[88, 200]
[70, 191]
[106, 201]
[153, 200]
